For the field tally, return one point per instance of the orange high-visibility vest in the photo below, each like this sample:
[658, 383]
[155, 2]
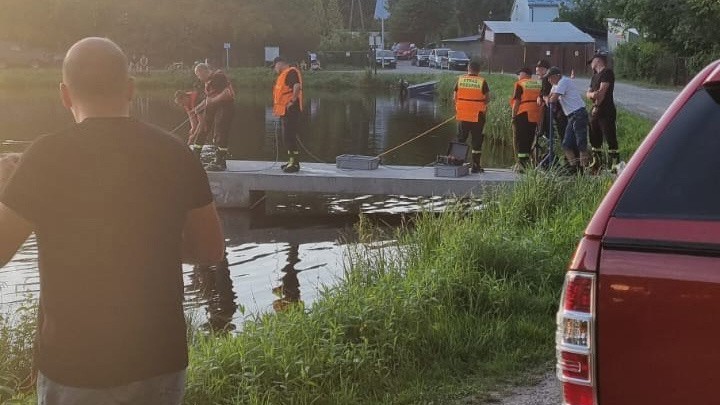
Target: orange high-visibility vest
[469, 98]
[528, 101]
[282, 94]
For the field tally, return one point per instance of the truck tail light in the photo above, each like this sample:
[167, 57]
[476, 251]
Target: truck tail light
[575, 339]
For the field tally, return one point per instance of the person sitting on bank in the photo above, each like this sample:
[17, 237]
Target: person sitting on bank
[525, 116]
[288, 106]
[219, 108]
[471, 96]
[189, 101]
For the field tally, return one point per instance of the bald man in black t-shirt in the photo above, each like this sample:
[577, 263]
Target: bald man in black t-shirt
[112, 235]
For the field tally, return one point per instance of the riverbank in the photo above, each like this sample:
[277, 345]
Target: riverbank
[459, 303]
[242, 78]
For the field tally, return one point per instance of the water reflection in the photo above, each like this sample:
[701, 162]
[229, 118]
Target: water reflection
[336, 123]
[288, 291]
[212, 285]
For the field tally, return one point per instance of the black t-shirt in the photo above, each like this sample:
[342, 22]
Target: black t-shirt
[546, 87]
[292, 78]
[606, 76]
[108, 198]
[217, 82]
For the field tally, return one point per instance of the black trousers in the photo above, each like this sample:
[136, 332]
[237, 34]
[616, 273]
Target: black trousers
[603, 126]
[475, 129]
[524, 134]
[218, 119]
[291, 128]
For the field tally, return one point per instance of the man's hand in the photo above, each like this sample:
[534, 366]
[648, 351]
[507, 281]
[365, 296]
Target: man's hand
[8, 163]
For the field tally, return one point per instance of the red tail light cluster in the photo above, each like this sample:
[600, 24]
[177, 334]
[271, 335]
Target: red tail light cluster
[575, 351]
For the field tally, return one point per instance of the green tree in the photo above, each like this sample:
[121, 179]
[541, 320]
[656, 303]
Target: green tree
[419, 21]
[588, 15]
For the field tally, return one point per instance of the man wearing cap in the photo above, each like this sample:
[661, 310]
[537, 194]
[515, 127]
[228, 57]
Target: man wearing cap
[603, 115]
[471, 96]
[575, 138]
[558, 116]
[525, 116]
[288, 105]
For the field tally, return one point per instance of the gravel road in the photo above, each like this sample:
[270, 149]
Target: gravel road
[650, 103]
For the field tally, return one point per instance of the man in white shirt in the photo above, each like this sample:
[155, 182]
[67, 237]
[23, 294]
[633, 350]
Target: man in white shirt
[575, 139]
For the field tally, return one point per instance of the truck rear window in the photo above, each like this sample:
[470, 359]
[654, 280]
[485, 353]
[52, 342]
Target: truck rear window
[680, 177]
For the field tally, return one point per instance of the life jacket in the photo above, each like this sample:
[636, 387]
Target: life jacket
[531, 90]
[282, 94]
[210, 92]
[192, 97]
[469, 98]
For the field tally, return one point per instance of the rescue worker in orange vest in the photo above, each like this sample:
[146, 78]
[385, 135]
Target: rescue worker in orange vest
[471, 96]
[526, 114]
[288, 105]
[219, 107]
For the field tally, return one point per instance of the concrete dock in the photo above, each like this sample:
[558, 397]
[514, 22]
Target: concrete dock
[245, 181]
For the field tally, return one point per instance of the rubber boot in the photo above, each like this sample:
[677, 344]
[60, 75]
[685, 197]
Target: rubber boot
[293, 164]
[584, 161]
[197, 151]
[571, 164]
[218, 164]
[596, 163]
[476, 166]
[614, 158]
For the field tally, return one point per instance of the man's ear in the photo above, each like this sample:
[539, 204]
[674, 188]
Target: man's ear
[65, 96]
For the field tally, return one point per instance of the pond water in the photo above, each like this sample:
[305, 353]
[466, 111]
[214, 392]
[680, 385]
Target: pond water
[294, 245]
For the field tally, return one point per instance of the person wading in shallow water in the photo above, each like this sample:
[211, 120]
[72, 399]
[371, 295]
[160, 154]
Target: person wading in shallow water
[117, 205]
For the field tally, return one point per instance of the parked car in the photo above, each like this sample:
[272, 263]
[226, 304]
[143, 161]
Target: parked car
[421, 57]
[636, 323]
[458, 60]
[385, 58]
[404, 50]
[438, 58]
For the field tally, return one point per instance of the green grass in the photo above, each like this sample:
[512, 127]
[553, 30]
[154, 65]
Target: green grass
[245, 78]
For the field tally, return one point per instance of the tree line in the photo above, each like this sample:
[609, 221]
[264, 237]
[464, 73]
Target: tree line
[188, 30]
[676, 36]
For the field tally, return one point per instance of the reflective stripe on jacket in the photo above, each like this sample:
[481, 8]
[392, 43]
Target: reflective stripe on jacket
[282, 94]
[528, 101]
[469, 98]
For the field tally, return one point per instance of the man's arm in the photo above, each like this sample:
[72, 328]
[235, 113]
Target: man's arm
[15, 231]
[203, 240]
[225, 95]
[600, 94]
[297, 87]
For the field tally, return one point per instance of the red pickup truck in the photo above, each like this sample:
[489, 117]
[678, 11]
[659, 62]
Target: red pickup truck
[636, 321]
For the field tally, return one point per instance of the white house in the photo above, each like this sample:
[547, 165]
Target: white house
[535, 10]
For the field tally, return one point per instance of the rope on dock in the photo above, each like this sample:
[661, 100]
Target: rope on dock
[417, 137]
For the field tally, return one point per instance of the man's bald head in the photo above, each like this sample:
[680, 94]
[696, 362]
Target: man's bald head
[96, 69]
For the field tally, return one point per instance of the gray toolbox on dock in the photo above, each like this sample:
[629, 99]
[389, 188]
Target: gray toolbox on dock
[357, 162]
[452, 164]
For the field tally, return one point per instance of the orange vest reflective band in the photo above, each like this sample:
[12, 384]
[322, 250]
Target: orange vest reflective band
[282, 94]
[528, 101]
[469, 98]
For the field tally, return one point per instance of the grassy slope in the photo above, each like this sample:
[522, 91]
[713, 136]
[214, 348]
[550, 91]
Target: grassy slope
[469, 301]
